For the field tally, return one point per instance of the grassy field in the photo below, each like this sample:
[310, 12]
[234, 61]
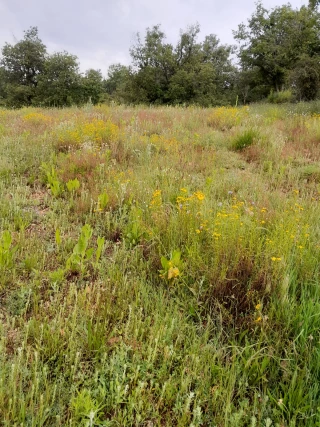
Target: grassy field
[160, 267]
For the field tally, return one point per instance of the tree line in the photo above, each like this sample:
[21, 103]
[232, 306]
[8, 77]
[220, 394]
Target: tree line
[276, 56]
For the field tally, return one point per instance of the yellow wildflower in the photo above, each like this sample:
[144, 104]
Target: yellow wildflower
[173, 272]
[199, 195]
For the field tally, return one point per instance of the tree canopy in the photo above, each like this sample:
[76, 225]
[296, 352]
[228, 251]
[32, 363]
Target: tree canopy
[189, 72]
[313, 3]
[278, 50]
[29, 75]
[273, 42]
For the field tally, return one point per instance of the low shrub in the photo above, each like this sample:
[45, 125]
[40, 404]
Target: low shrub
[280, 97]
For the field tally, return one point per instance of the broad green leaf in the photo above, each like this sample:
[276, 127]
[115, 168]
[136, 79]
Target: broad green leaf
[176, 255]
[89, 254]
[164, 263]
[58, 237]
[6, 239]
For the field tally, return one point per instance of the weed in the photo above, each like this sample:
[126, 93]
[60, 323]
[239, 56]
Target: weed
[54, 184]
[6, 251]
[82, 255]
[170, 267]
[310, 173]
[134, 234]
[103, 200]
[244, 139]
[73, 185]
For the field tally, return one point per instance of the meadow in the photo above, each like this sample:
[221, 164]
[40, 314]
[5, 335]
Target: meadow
[160, 266]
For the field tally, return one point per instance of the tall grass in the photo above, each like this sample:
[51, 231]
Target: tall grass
[160, 267]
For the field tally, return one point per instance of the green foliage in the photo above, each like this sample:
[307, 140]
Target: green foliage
[58, 238]
[3, 93]
[73, 185]
[81, 256]
[313, 3]
[103, 200]
[310, 173]
[87, 409]
[59, 84]
[305, 78]
[52, 180]
[280, 97]
[57, 277]
[119, 84]
[92, 86]
[23, 63]
[273, 41]
[6, 251]
[29, 75]
[244, 139]
[250, 85]
[278, 51]
[99, 251]
[134, 234]
[190, 72]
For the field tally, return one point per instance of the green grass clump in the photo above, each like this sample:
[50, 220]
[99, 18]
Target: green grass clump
[244, 139]
[280, 97]
[310, 172]
[154, 271]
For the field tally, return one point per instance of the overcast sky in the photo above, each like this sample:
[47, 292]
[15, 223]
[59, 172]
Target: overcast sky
[100, 32]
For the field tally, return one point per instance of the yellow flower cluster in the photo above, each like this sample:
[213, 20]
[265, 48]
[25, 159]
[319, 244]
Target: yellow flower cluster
[223, 222]
[223, 118]
[162, 142]
[97, 131]
[312, 123]
[156, 201]
[173, 272]
[123, 177]
[199, 195]
[203, 227]
[36, 118]
[184, 201]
